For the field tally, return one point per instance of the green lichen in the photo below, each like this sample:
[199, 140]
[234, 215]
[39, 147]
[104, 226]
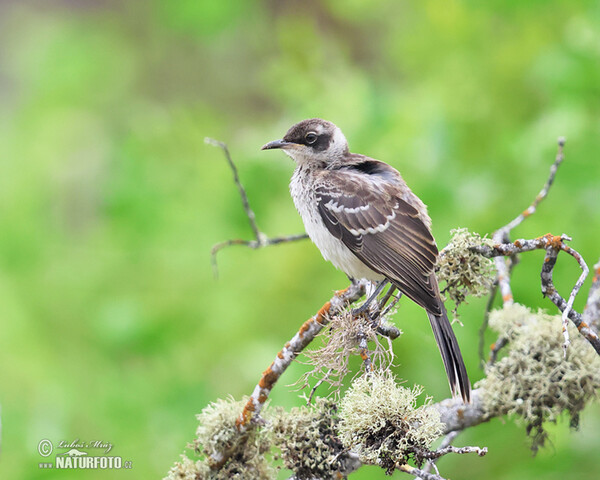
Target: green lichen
[463, 271]
[533, 380]
[188, 470]
[217, 434]
[308, 442]
[381, 422]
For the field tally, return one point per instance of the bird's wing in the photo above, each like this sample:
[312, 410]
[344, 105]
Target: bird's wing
[382, 230]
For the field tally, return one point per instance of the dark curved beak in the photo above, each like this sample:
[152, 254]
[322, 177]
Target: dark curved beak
[276, 144]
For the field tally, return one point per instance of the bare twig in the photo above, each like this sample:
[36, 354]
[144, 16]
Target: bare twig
[440, 452]
[591, 313]
[446, 441]
[543, 192]
[495, 348]
[484, 324]
[260, 239]
[503, 276]
[574, 291]
[550, 291]
[502, 235]
[417, 472]
[444, 449]
[552, 244]
[242, 190]
[317, 385]
[363, 345]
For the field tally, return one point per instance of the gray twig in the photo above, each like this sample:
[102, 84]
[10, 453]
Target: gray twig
[484, 324]
[451, 449]
[363, 345]
[498, 345]
[418, 473]
[552, 244]
[550, 291]
[543, 192]
[502, 235]
[591, 312]
[446, 441]
[260, 239]
[317, 385]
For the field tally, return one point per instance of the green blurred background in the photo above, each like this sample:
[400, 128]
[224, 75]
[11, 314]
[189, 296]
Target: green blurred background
[112, 325]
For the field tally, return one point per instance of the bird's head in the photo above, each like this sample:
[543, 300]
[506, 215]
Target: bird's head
[313, 142]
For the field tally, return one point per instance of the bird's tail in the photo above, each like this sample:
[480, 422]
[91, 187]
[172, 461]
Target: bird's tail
[453, 361]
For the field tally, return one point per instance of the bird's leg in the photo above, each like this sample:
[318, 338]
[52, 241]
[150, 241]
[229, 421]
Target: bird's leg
[365, 306]
[386, 298]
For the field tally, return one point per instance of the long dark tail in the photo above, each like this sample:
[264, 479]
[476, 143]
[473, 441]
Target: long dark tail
[453, 361]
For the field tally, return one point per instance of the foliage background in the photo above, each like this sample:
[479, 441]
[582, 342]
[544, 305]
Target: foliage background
[112, 325]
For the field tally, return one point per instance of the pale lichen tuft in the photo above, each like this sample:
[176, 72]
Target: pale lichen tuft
[216, 436]
[533, 380]
[464, 272]
[381, 422]
[188, 470]
[307, 440]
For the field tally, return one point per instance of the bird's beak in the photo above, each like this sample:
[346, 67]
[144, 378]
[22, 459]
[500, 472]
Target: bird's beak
[277, 144]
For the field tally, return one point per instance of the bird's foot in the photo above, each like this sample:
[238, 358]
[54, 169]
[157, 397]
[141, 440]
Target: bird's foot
[362, 310]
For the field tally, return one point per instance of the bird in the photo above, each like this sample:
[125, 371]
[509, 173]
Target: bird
[363, 217]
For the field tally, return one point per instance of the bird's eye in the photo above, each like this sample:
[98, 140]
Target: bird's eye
[311, 138]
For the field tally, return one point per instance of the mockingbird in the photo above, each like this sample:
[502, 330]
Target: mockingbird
[363, 218]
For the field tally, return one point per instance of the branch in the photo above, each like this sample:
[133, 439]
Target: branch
[446, 448]
[456, 415]
[440, 452]
[485, 323]
[260, 239]
[543, 192]
[502, 235]
[591, 312]
[308, 331]
[364, 351]
[550, 291]
[418, 473]
[552, 244]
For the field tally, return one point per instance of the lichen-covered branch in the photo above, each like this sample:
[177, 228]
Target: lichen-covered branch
[456, 415]
[534, 381]
[379, 422]
[308, 331]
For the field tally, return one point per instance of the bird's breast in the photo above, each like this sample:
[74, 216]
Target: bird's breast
[332, 249]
